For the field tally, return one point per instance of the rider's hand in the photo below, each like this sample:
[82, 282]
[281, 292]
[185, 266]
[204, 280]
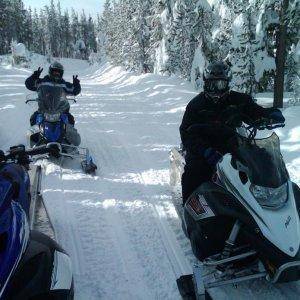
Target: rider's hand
[212, 156]
[76, 81]
[37, 73]
[276, 116]
[2, 156]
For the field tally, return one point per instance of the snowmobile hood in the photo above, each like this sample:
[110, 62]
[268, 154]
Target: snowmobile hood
[280, 226]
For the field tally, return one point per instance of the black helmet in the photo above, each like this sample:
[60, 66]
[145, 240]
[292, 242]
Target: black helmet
[216, 79]
[56, 71]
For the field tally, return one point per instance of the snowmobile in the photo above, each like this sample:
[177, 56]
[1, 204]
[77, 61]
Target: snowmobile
[32, 265]
[244, 223]
[52, 127]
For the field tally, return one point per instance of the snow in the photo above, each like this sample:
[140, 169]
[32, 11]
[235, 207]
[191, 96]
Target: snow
[19, 49]
[224, 12]
[198, 66]
[120, 227]
[203, 4]
[237, 30]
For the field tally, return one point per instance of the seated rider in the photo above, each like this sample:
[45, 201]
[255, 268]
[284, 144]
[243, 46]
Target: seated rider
[55, 77]
[204, 151]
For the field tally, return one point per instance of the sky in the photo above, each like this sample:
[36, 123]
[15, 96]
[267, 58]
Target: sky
[90, 6]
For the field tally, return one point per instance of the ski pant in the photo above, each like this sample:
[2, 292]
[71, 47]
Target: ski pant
[72, 136]
[71, 118]
[196, 172]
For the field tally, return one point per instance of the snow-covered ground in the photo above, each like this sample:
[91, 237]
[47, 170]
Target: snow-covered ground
[120, 227]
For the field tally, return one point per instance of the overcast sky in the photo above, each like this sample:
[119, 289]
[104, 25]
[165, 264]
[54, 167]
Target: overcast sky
[90, 6]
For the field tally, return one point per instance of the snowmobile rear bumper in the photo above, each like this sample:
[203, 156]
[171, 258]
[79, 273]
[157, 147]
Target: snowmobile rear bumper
[76, 152]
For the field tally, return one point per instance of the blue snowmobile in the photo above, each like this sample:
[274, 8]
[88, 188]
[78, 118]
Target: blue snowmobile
[53, 126]
[32, 265]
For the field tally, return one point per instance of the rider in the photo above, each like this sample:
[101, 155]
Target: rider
[203, 151]
[55, 78]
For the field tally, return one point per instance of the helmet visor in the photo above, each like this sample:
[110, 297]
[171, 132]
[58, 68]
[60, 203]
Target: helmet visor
[216, 86]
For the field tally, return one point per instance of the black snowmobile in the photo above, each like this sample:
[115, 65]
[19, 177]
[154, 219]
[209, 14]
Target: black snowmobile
[32, 265]
[244, 223]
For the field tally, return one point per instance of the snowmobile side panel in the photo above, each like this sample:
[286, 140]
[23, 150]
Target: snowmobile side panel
[37, 269]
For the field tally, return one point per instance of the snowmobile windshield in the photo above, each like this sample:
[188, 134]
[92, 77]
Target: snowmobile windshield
[263, 161]
[51, 99]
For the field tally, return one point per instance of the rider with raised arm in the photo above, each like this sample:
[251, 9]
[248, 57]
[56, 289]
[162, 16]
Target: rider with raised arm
[54, 78]
[203, 151]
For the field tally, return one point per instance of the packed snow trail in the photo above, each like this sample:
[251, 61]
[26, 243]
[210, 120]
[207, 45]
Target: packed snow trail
[120, 227]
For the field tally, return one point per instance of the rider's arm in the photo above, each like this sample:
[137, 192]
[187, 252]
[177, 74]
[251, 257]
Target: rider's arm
[32, 82]
[191, 142]
[73, 89]
[253, 110]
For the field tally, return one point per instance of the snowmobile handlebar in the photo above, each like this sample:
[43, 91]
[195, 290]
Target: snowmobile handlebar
[21, 155]
[36, 100]
[230, 132]
[31, 100]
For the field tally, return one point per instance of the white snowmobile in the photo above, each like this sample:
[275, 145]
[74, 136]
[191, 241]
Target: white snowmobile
[244, 224]
[53, 128]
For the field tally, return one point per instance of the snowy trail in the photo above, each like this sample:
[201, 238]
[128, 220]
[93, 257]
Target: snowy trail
[120, 227]
[114, 231]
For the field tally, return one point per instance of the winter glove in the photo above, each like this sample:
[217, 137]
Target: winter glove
[212, 156]
[37, 73]
[76, 81]
[276, 116]
[2, 156]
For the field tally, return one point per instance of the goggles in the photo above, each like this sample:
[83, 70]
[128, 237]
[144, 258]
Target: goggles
[216, 85]
[56, 73]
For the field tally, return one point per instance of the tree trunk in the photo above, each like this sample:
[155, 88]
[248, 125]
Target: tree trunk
[280, 56]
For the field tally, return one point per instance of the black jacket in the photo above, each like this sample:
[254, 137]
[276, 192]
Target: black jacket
[32, 83]
[195, 114]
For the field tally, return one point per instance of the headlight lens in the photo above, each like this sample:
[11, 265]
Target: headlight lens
[52, 117]
[272, 198]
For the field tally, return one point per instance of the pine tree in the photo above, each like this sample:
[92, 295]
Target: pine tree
[5, 37]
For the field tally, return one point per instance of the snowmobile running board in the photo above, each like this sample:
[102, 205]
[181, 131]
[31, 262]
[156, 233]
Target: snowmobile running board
[35, 189]
[38, 215]
[236, 280]
[211, 262]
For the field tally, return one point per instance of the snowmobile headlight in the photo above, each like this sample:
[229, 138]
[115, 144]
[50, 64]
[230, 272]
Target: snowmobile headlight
[272, 198]
[52, 117]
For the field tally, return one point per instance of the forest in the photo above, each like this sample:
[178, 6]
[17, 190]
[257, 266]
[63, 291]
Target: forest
[259, 39]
